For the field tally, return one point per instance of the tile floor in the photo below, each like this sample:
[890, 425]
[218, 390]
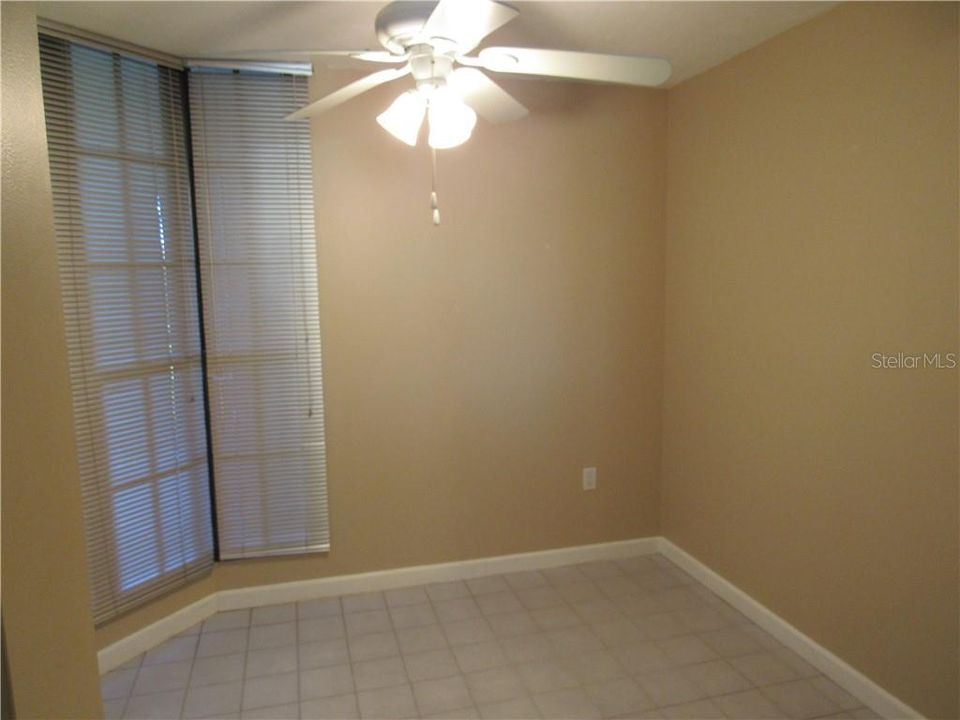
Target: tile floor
[635, 638]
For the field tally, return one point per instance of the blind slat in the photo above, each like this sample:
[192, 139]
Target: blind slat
[124, 233]
[259, 277]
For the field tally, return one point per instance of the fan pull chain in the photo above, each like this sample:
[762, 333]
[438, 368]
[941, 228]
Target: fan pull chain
[434, 206]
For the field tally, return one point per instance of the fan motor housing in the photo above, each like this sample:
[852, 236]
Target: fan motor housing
[399, 24]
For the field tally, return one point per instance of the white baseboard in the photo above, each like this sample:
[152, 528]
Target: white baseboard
[853, 681]
[423, 574]
[129, 647]
[144, 639]
[847, 677]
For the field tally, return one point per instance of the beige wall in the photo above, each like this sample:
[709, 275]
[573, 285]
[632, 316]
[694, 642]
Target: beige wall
[46, 601]
[473, 369]
[812, 221]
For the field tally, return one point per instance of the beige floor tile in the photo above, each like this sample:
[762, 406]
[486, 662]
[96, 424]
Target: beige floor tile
[338, 707]
[224, 642]
[431, 665]
[527, 647]
[687, 650]
[525, 579]
[270, 690]
[420, 639]
[487, 585]
[373, 646]
[465, 632]
[597, 611]
[320, 608]
[229, 620]
[697, 710]
[496, 603]
[363, 602]
[618, 697]
[323, 653]
[618, 633]
[670, 687]
[534, 598]
[173, 650]
[540, 676]
[289, 711]
[571, 703]
[554, 618]
[512, 624]
[271, 614]
[366, 622]
[271, 636]
[454, 609]
[439, 592]
[213, 700]
[600, 569]
[632, 638]
[155, 705]
[442, 695]
[836, 693]
[495, 685]
[320, 628]
[763, 668]
[117, 684]
[617, 586]
[579, 639]
[749, 705]
[731, 642]
[405, 597]
[479, 656]
[642, 658]
[800, 699]
[716, 677]
[407, 616]
[580, 592]
[161, 678]
[395, 703]
[326, 682]
[272, 661]
[373, 674]
[464, 712]
[592, 667]
[521, 708]
[113, 709]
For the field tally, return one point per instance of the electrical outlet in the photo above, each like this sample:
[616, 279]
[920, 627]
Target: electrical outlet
[590, 478]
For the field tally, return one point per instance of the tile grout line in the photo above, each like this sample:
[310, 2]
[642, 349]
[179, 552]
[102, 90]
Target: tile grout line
[799, 674]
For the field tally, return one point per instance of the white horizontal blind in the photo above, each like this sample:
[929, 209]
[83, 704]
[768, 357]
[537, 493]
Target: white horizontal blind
[259, 275]
[121, 195]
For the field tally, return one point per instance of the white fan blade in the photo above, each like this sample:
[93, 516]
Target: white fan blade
[329, 58]
[348, 92]
[377, 56]
[466, 22]
[622, 69]
[355, 59]
[491, 101]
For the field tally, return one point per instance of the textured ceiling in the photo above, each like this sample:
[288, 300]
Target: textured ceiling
[694, 36]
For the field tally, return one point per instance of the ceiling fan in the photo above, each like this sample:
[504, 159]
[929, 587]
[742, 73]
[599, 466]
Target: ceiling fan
[431, 42]
[428, 40]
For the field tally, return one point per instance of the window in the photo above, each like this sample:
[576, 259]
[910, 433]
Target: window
[146, 353]
[259, 276]
[119, 169]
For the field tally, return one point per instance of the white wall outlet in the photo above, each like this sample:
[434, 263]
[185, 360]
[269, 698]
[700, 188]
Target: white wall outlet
[590, 478]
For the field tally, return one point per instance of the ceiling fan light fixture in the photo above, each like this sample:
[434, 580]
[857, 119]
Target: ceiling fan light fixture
[451, 120]
[404, 117]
